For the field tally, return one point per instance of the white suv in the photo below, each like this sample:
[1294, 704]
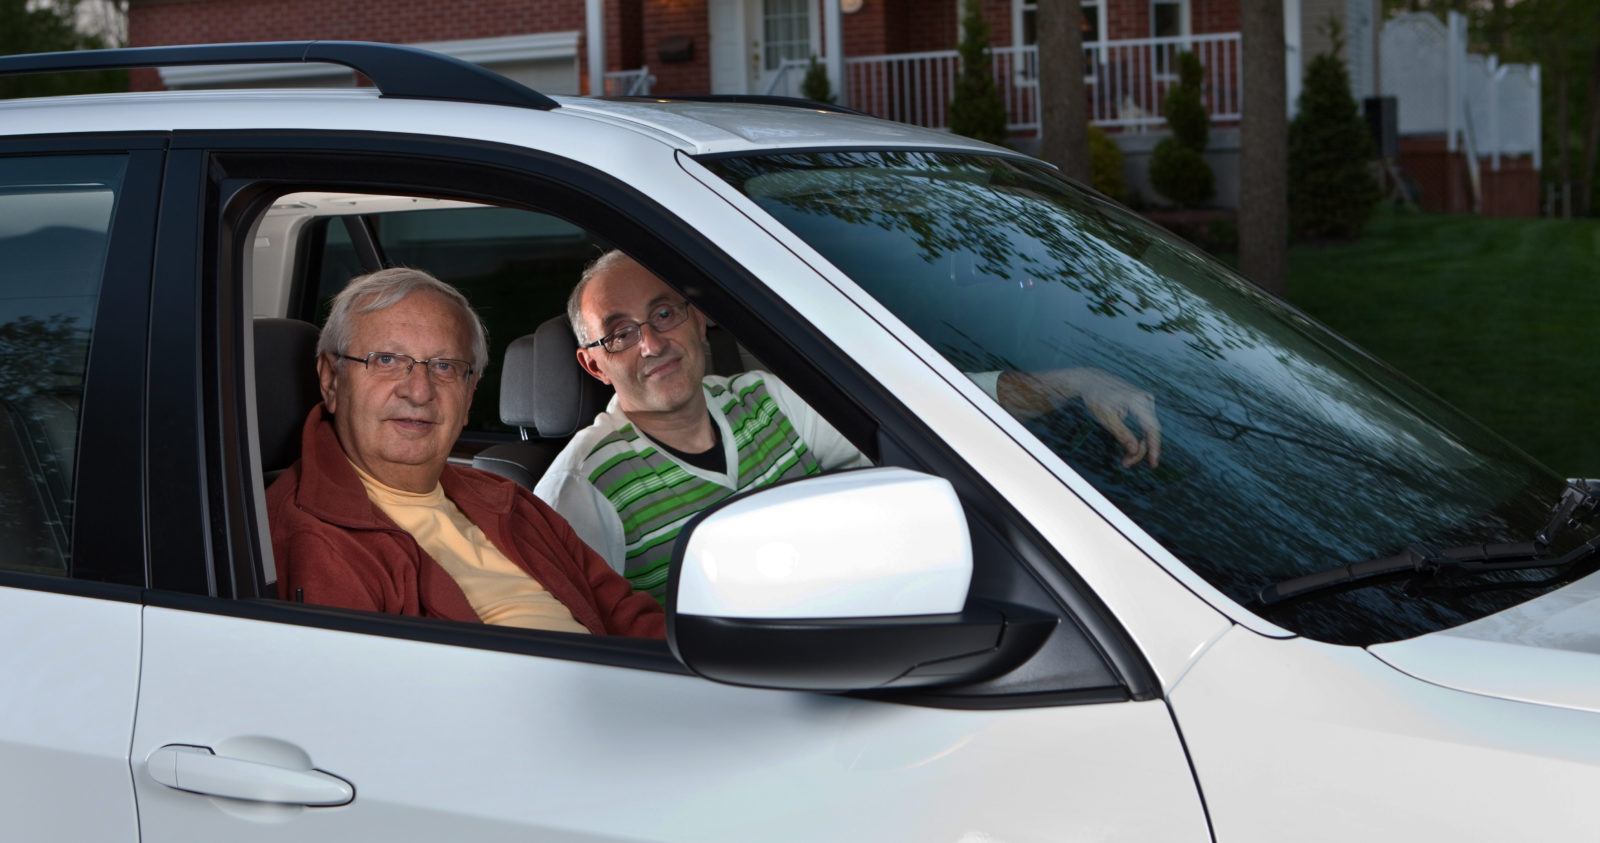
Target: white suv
[1335, 610]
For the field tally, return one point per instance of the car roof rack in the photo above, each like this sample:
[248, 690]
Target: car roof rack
[396, 70]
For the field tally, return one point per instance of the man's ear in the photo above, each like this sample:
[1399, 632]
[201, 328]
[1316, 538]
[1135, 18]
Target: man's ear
[587, 361]
[327, 378]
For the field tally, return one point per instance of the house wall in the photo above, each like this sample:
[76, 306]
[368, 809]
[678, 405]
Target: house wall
[156, 22]
[1314, 17]
[680, 18]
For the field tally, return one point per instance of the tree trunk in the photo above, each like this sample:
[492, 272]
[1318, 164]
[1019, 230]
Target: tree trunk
[1563, 155]
[1063, 102]
[1263, 147]
[1591, 134]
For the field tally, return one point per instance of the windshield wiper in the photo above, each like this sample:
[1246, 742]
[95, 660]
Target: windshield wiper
[1415, 559]
[1578, 502]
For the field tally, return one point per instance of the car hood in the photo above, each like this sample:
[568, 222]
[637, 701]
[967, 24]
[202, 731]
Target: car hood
[1544, 651]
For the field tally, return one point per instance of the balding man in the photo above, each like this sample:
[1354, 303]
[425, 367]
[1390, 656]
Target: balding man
[674, 440]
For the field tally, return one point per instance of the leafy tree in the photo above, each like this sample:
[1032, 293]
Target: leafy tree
[32, 27]
[1178, 168]
[976, 110]
[815, 86]
[1331, 190]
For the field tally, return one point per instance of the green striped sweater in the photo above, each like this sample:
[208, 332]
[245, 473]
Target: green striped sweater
[654, 495]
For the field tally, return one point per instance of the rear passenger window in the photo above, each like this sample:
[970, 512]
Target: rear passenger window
[55, 214]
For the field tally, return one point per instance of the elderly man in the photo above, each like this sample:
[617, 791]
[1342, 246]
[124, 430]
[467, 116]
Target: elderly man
[673, 441]
[371, 517]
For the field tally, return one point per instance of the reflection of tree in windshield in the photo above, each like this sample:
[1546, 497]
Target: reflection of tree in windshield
[1284, 452]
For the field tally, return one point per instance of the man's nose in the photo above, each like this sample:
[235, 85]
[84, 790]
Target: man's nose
[650, 340]
[417, 385]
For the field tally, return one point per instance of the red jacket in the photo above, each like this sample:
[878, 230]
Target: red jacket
[334, 547]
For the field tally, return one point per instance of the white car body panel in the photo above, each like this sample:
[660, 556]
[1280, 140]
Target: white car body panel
[451, 743]
[1544, 651]
[1299, 740]
[69, 678]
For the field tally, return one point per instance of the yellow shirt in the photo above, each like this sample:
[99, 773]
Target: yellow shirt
[499, 591]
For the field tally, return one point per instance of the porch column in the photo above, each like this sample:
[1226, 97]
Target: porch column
[833, 30]
[594, 20]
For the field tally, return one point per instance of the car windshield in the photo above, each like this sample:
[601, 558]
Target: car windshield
[1285, 451]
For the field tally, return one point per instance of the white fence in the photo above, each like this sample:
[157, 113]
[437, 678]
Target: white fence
[629, 83]
[1127, 81]
[1474, 101]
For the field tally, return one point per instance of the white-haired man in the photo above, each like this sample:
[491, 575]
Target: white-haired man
[372, 517]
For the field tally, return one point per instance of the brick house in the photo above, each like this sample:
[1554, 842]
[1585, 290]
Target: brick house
[688, 46]
[898, 57]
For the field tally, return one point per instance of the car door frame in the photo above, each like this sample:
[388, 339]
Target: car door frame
[221, 545]
[73, 641]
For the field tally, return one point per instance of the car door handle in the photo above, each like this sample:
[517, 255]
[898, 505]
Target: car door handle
[197, 769]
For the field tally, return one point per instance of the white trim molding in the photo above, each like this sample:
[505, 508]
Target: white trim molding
[484, 51]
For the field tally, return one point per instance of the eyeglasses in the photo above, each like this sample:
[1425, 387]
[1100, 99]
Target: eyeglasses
[389, 366]
[664, 317]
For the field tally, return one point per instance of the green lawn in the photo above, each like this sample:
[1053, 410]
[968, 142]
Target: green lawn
[1499, 317]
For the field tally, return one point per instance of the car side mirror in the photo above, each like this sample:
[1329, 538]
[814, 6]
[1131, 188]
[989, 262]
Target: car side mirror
[849, 581]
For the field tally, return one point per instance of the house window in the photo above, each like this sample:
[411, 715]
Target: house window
[1025, 22]
[1168, 19]
[786, 28]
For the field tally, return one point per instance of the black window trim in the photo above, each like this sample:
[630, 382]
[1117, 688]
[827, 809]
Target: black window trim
[247, 169]
[109, 553]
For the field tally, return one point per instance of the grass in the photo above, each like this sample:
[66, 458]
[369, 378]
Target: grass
[1499, 317]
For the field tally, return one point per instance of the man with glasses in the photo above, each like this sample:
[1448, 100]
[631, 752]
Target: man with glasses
[674, 440]
[372, 517]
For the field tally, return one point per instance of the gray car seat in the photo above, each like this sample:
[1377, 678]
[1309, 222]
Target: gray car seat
[286, 388]
[547, 397]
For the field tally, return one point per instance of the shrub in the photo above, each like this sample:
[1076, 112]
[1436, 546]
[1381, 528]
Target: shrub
[976, 109]
[1105, 164]
[815, 86]
[1332, 191]
[1178, 168]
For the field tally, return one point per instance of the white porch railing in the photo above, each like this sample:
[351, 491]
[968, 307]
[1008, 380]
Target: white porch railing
[1127, 81]
[629, 83]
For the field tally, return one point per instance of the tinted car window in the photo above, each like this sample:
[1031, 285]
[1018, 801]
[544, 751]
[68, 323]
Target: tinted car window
[1285, 451]
[55, 214]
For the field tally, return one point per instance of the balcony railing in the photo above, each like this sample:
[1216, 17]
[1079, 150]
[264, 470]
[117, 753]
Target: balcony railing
[629, 83]
[1127, 82]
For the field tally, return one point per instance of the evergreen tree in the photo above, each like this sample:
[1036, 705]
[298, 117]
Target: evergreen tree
[1332, 190]
[976, 109]
[815, 86]
[46, 28]
[1178, 168]
[1105, 163]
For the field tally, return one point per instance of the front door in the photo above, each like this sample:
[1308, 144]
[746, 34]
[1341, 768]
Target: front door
[779, 31]
[750, 39]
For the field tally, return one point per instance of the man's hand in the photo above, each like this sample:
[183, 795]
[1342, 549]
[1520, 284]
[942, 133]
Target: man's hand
[1110, 399]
